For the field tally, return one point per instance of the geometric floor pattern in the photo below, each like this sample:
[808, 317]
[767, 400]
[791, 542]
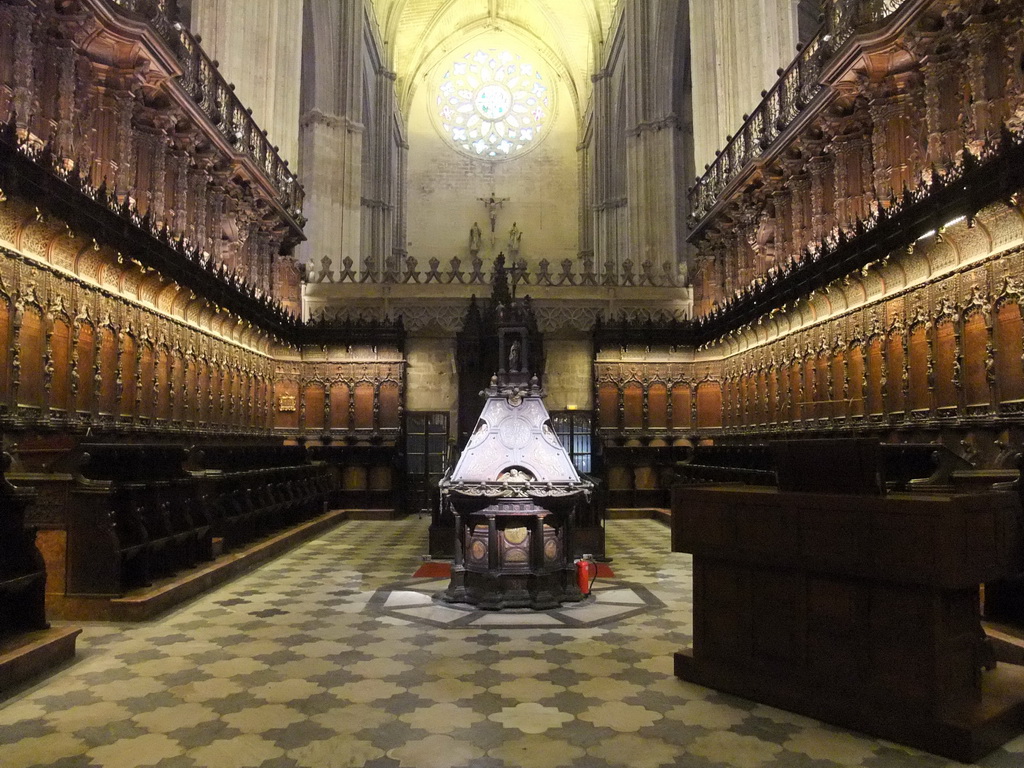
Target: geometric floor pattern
[293, 665]
[417, 601]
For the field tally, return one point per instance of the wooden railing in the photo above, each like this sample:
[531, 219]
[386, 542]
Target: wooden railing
[204, 83]
[795, 89]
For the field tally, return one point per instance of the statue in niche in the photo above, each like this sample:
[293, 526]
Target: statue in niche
[514, 236]
[474, 239]
[513, 356]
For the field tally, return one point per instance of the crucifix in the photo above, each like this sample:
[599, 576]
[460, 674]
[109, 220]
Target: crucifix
[492, 204]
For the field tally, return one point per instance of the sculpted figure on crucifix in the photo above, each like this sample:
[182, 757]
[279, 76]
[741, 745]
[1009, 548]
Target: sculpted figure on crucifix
[492, 204]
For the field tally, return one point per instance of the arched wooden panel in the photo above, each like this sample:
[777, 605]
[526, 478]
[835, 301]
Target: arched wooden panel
[772, 396]
[163, 383]
[681, 405]
[225, 396]
[339, 406]
[313, 397]
[30, 348]
[657, 406]
[839, 408]
[389, 405]
[247, 398]
[240, 385]
[945, 364]
[729, 402]
[822, 395]
[782, 396]
[85, 345]
[253, 404]
[810, 395]
[917, 387]
[189, 393]
[856, 373]
[211, 392]
[894, 373]
[709, 405]
[5, 351]
[746, 413]
[633, 406]
[60, 355]
[108, 371]
[219, 394]
[265, 414]
[796, 393]
[129, 374]
[229, 388]
[608, 406]
[761, 401]
[1009, 370]
[975, 342]
[364, 405]
[875, 403]
[148, 382]
[204, 390]
[179, 374]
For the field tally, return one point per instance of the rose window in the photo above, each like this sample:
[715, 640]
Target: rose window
[493, 104]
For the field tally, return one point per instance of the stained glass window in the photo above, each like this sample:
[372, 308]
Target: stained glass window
[493, 104]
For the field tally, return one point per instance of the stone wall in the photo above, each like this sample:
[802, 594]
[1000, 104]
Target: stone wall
[568, 377]
[542, 186]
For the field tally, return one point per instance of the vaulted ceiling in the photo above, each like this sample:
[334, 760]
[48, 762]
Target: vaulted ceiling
[568, 34]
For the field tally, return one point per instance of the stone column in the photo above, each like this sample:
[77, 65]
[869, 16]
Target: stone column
[331, 129]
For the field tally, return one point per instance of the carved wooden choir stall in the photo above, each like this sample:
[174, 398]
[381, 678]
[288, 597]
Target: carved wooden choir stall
[831, 598]
[514, 492]
[27, 645]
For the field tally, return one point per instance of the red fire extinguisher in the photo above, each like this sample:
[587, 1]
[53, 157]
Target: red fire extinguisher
[586, 572]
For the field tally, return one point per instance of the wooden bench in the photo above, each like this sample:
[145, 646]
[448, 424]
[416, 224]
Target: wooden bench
[22, 571]
[136, 517]
[746, 464]
[251, 491]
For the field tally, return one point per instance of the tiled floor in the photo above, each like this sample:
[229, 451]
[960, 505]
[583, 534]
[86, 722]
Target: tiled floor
[302, 663]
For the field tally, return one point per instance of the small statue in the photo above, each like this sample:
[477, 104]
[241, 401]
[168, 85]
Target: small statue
[474, 239]
[513, 357]
[514, 236]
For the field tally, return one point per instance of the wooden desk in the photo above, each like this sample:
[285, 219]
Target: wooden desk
[856, 609]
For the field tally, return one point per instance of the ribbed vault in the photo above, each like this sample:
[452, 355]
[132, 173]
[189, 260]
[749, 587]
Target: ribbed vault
[566, 33]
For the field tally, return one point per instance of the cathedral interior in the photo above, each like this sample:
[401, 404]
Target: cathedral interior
[743, 279]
